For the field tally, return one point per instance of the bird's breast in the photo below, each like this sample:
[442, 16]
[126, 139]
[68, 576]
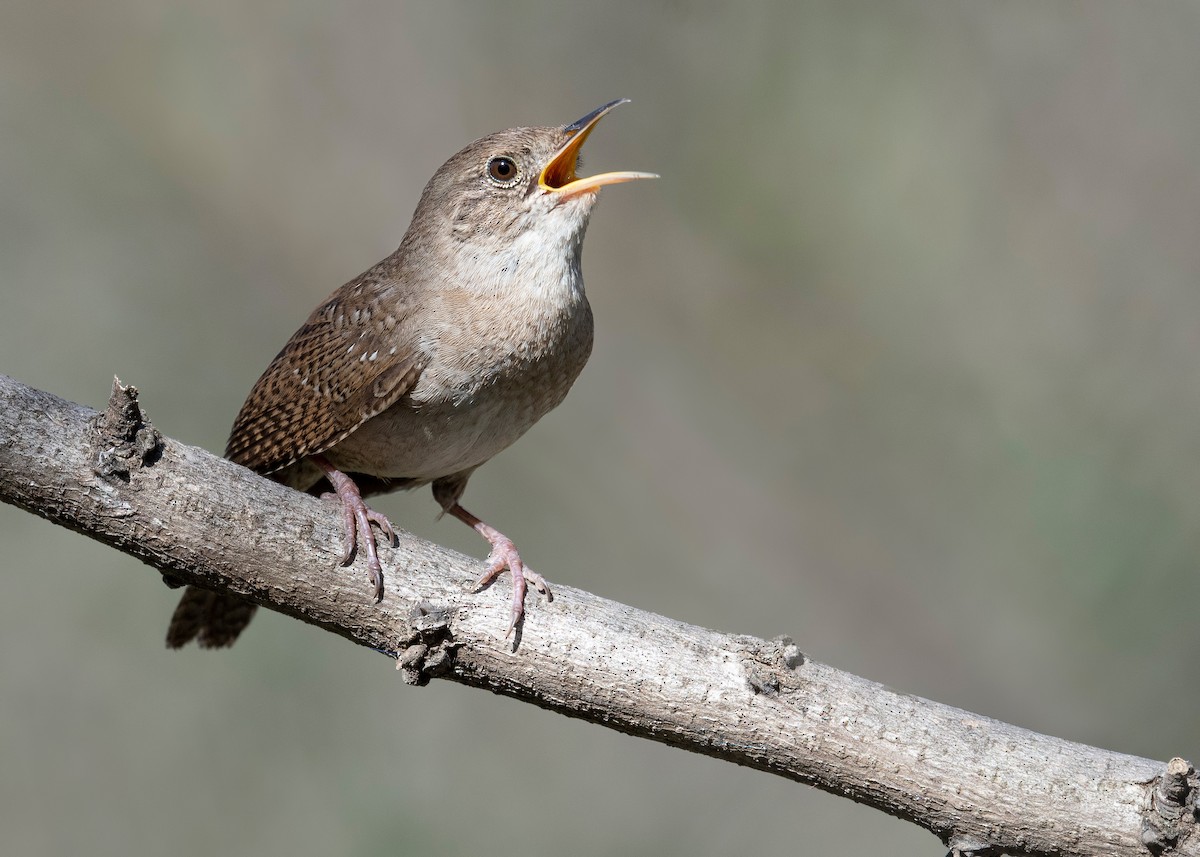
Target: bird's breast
[497, 363]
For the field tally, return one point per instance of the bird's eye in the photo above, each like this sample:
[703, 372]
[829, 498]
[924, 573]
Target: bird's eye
[502, 170]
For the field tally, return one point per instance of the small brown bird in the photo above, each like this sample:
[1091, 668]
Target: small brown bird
[425, 366]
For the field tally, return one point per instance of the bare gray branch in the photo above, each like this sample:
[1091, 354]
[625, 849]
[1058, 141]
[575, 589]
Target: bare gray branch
[983, 786]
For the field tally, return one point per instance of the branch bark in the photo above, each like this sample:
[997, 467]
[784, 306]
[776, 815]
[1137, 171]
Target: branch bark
[984, 787]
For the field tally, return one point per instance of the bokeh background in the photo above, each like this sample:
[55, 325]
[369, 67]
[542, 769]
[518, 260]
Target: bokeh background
[898, 357]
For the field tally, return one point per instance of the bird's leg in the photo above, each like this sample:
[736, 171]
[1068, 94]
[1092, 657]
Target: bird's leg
[504, 555]
[357, 518]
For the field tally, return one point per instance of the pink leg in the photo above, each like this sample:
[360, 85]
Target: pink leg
[357, 518]
[504, 555]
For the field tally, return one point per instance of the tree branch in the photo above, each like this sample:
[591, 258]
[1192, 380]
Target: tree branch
[983, 786]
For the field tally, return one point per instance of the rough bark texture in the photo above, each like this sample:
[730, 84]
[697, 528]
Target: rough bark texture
[983, 786]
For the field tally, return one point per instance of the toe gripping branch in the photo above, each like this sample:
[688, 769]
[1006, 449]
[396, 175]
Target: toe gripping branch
[357, 518]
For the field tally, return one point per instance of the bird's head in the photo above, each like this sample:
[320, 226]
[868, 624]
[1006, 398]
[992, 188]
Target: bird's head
[516, 184]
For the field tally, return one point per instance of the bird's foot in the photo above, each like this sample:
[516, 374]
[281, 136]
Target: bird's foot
[504, 555]
[357, 518]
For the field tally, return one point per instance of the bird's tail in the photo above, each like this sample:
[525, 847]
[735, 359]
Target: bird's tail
[212, 620]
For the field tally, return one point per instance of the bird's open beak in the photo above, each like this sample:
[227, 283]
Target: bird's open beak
[559, 177]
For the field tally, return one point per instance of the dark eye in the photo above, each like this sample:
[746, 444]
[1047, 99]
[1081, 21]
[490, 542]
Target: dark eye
[502, 170]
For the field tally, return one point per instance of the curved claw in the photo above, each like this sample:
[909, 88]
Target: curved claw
[539, 583]
[357, 518]
[380, 520]
[504, 555]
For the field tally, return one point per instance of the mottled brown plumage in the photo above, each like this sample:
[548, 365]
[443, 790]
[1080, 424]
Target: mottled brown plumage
[425, 366]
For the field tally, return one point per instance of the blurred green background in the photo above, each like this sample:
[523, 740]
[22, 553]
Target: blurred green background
[898, 357]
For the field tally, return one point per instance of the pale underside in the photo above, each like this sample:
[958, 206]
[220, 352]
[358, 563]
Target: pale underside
[376, 392]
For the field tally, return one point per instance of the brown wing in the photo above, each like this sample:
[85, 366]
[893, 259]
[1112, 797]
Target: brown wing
[353, 359]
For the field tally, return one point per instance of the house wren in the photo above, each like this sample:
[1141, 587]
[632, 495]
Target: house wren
[425, 366]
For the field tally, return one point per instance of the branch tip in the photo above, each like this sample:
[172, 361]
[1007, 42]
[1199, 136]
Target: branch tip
[1172, 810]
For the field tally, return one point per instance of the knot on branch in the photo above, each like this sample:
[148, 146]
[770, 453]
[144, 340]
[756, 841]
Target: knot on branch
[770, 667]
[125, 439]
[428, 651]
[1172, 806]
